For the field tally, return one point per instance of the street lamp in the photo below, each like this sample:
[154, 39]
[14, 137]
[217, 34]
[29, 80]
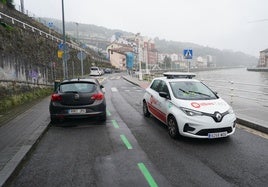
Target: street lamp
[77, 32]
[64, 59]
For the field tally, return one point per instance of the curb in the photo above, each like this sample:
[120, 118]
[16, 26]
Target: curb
[131, 81]
[252, 125]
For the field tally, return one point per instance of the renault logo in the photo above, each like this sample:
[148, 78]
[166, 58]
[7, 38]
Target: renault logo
[218, 116]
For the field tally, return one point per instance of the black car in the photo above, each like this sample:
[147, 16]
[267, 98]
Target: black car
[107, 70]
[78, 98]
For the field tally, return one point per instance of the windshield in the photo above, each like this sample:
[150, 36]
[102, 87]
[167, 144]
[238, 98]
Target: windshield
[94, 69]
[190, 90]
[77, 87]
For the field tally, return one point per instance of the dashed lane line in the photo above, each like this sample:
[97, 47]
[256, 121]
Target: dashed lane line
[126, 142]
[115, 124]
[147, 175]
[108, 113]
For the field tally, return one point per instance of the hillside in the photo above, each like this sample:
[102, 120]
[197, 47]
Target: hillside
[220, 57]
[25, 52]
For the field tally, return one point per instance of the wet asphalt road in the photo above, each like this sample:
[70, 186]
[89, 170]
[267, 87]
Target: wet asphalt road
[87, 153]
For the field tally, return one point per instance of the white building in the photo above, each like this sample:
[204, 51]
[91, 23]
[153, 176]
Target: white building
[263, 60]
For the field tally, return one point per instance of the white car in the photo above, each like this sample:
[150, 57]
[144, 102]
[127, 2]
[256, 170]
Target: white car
[95, 71]
[188, 107]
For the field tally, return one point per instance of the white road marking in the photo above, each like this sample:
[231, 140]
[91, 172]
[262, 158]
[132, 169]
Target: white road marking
[114, 89]
[117, 77]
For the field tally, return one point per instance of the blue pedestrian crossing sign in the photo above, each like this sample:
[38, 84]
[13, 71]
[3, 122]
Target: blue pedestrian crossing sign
[188, 53]
[60, 46]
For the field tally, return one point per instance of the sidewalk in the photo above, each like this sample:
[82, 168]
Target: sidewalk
[255, 118]
[19, 136]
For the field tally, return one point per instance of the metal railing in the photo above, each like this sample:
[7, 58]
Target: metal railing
[41, 32]
[241, 90]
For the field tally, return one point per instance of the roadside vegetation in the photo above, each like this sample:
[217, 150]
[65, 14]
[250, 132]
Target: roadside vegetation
[10, 101]
[14, 100]
[9, 3]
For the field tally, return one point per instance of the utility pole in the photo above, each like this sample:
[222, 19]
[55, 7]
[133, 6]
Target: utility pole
[22, 6]
[64, 59]
[77, 32]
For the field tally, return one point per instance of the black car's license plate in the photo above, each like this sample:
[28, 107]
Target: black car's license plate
[77, 111]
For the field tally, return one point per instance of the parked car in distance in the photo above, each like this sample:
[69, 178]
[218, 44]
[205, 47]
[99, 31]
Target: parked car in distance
[78, 98]
[188, 107]
[95, 71]
[107, 70]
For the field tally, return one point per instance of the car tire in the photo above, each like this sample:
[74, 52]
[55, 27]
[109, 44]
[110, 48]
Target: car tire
[173, 129]
[54, 120]
[146, 112]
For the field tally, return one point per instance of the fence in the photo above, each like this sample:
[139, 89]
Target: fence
[254, 92]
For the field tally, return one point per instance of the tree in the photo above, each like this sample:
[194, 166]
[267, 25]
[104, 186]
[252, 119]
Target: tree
[9, 3]
[167, 62]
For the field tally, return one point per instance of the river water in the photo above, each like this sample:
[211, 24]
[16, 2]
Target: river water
[246, 91]
[238, 85]
[240, 75]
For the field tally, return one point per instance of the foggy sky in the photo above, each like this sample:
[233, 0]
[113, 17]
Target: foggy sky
[238, 25]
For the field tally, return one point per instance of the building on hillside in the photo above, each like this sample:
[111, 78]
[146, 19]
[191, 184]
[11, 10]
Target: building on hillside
[201, 62]
[143, 50]
[161, 57]
[210, 62]
[117, 54]
[174, 57]
[263, 60]
[147, 52]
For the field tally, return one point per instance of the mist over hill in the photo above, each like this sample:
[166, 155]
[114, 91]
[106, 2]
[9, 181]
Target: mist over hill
[220, 57]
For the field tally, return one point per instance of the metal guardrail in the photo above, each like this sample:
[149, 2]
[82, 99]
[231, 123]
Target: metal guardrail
[241, 90]
[41, 32]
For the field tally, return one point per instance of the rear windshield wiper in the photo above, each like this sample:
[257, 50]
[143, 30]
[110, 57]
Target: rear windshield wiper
[70, 92]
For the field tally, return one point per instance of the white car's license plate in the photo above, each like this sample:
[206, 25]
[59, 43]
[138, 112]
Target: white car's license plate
[217, 135]
[77, 111]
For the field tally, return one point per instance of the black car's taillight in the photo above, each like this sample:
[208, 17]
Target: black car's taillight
[56, 97]
[97, 96]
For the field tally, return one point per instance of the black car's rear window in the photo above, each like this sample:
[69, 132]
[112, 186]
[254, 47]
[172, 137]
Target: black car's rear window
[77, 87]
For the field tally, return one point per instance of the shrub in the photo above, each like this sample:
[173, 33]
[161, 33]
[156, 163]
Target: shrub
[12, 101]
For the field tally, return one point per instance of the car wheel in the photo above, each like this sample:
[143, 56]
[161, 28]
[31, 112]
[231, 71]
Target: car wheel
[54, 120]
[173, 129]
[146, 112]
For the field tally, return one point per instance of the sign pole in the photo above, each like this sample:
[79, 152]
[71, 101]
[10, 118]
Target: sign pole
[82, 66]
[188, 54]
